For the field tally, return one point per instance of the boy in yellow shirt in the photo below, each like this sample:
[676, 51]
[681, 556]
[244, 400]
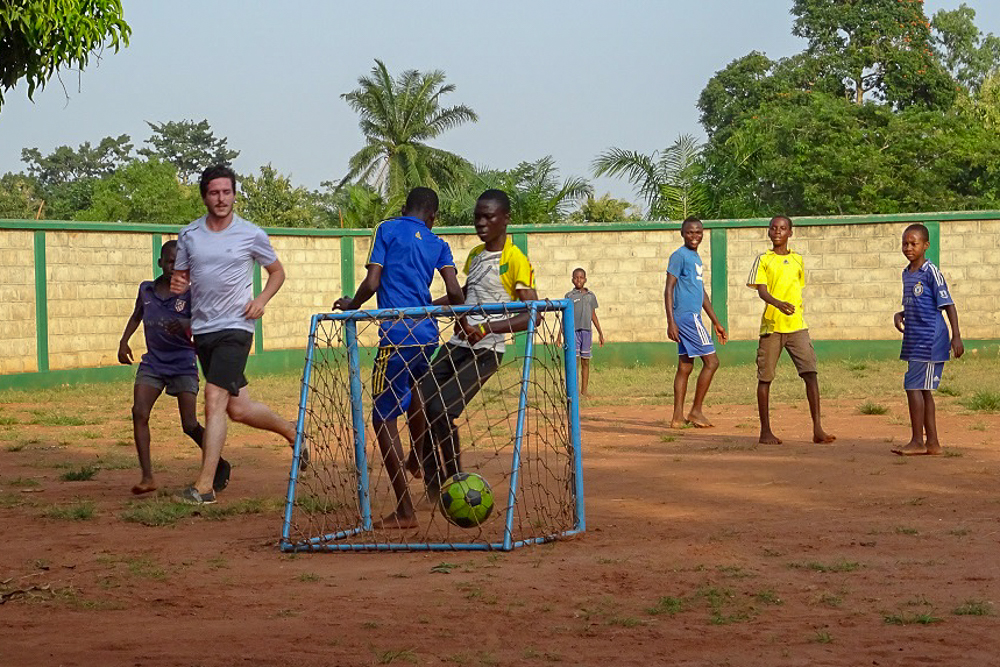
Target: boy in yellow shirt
[779, 276]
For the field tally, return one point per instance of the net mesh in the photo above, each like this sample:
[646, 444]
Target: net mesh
[464, 413]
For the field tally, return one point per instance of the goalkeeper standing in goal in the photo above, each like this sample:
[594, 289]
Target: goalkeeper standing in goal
[404, 255]
[497, 272]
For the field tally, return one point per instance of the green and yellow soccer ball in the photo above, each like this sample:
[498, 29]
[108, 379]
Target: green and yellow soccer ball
[467, 500]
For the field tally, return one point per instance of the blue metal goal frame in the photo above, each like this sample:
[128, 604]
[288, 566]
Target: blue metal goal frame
[350, 319]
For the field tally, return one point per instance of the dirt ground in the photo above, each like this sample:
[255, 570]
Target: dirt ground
[702, 548]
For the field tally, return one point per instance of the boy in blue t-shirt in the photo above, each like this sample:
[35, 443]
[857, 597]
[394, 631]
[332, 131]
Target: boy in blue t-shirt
[925, 339]
[684, 297]
[169, 363]
[404, 256]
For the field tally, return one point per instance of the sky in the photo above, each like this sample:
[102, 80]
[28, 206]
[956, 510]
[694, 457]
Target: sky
[566, 78]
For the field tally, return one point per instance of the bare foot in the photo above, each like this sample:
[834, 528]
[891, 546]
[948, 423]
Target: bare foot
[823, 438]
[145, 486]
[395, 521]
[677, 423]
[912, 448]
[699, 420]
[768, 438]
[933, 448]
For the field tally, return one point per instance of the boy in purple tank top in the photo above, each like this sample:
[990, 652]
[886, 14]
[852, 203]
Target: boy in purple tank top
[169, 363]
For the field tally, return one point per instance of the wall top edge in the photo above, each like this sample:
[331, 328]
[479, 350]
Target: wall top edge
[643, 225]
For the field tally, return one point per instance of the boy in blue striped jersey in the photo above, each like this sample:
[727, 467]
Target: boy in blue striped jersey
[925, 339]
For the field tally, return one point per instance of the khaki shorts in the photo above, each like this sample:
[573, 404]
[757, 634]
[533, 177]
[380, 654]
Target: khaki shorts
[800, 349]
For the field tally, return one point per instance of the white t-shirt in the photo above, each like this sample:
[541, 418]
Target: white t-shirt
[484, 286]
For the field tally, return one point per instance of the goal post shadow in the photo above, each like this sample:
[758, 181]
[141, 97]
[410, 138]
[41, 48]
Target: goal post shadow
[533, 446]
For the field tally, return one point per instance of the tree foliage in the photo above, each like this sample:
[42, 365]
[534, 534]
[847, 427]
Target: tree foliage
[967, 54]
[19, 197]
[398, 116]
[269, 199]
[605, 209]
[191, 147]
[64, 164]
[39, 38]
[143, 191]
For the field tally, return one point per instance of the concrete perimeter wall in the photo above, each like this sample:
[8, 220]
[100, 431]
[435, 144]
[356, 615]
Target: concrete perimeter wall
[67, 289]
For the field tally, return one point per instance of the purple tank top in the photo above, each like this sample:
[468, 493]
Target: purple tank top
[167, 325]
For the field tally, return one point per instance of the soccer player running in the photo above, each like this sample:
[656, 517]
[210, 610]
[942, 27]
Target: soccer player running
[925, 339]
[215, 256]
[169, 363]
[497, 272]
[404, 255]
[779, 276]
[684, 297]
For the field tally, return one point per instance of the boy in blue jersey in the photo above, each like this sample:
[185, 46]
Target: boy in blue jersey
[684, 297]
[404, 255]
[169, 363]
[925, 339]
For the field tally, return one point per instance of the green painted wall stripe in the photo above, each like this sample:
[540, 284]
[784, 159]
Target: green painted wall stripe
[258, 325]
[41, 303]
[643, 225]
[347, 265]
[934, 252]
[520, 239]
[718, 240]
[157, 248]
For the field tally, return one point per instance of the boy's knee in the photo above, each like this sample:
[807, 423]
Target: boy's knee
[191, 428]
[237, 411]
[140, 414]
[711, 362]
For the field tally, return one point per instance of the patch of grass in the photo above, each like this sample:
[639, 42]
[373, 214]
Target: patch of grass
[948, 390]
[974, 608]
[872, 408]
[123, 443]
[116, 462]
[666, 605]
[11, 500]
[911, 618]
[667, 438]
[81, 510]
[308, 577]
[768, 597]
[242, 507]
[145, 568]
[823, 637]
[391, 656]
[159, 511]
[855, 365]
[839, 566]
[831, 600]
[978, 426]
[80, 474]
[52, 418]
[317, 505]
[25, 482]
[16, 446]
[904, 530]
[959, 532]
[983, 401]
[952, 454]
[90, 435]
[724, 607]
[8, 420]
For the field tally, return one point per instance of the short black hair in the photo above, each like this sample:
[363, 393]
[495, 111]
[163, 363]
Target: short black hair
[920, 229]
[498, 196]
[214, 172]
[421, 200]
[783, 217]
[690, 219]
[169, 245]
[581, 270]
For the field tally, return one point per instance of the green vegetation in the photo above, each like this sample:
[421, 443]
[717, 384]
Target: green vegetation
[80, 474]
[911, 618]
[974, 608]
[50, 418]
[839, 566]
[872, 408]
[81, 510]
[667, 605]
[983, 401]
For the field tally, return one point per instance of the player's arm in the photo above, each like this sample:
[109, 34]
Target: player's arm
[454, 292]
[275, 279]
[124, 351]
[597, 325]
[366, 290]
[898, 321]
[783, 306]
[510, 325]
[673, 333]
[720, 330]
[180, 280]
[957, 346]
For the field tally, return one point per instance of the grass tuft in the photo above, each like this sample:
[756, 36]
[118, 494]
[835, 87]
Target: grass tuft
[872, 408]
[82, 510]
[840, 566]
[911, 618]
[983, 401]
[80, 474]
[949, 391]
[666, 605]
[974, 608]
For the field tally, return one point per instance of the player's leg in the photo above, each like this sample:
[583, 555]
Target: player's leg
[710, 364]
[915, 405]
[768, 350]
[391, 387]
[921, 380]
[416, 419]
[584, 340]
[800, 349]
[387, 434]
[931, 441]
[186, 392]
[684, 367]
[147, 389]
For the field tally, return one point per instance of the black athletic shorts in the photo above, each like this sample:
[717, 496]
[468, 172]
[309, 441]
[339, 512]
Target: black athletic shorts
[456, 375]
[223, 356]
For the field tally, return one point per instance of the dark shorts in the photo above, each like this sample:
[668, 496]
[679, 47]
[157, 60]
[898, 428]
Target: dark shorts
[396, 371]
[800, 349]
[457, 374]
[223, 357]
[584, 343]
[174, 384]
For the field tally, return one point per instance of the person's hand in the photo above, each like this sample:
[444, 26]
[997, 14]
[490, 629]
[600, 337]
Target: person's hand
[178, 283]
[957, 347]
[786, 307]
[343, 303]
[473, 334]
[600, 338]
[897, 321]
[720, 332]
[673, 332]
[254, 309]
[125, 354]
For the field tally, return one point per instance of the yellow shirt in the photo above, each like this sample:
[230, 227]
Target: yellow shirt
[784, 276]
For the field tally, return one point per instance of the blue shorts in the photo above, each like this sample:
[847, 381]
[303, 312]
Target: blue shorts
[695, 341]
[584, 341]
[923, 375]
[396, 371]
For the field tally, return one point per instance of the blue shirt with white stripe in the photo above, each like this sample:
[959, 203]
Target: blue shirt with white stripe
[689, 293]
[409, 254]
[925, 334]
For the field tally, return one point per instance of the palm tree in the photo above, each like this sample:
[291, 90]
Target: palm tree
[670, 181]
[397, 117]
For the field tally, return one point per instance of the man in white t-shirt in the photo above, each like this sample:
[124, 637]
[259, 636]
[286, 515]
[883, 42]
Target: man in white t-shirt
[215, 257]
[497, 272]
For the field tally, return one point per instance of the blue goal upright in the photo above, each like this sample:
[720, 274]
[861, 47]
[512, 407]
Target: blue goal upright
[505, 425]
